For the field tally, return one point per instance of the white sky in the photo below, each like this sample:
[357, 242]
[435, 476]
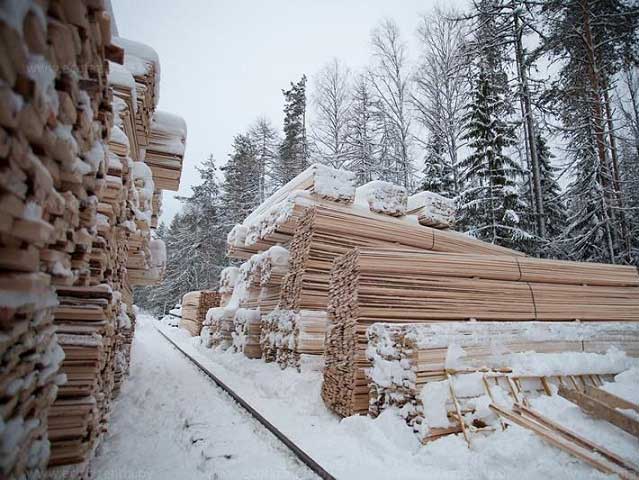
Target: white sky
[225, 62]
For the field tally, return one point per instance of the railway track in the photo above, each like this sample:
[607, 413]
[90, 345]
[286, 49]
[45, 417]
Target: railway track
[304, 457]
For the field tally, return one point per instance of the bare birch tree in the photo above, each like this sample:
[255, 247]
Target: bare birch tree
[331, 100]
[389, 78]
[440, 93]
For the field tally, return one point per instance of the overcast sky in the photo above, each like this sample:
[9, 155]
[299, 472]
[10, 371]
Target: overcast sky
[225, 62]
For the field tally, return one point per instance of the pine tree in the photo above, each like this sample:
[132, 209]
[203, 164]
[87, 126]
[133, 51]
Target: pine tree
[490, 204]
[241, 188]
[293, 152]
[591, 41]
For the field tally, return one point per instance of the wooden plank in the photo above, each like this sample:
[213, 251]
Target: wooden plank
[600, 410]
[567, 446]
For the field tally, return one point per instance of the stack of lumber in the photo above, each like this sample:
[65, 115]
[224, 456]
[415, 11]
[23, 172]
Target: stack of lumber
[391, 285]
[228, 279]
[125, 107]
[273, 222]
[30, 355]
[432, 209]
[218, 328]
[412, 363]
[59, 198]
[383, 197]
[143, 63]
[165, 151]
[139, 259]
[248, 295]
[246, 334]
[287, 336]
[195, 306]
[327, 231]
[156, 205]
[273, 269]
[72, 199]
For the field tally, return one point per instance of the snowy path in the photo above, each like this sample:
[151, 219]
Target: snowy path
[171, 422]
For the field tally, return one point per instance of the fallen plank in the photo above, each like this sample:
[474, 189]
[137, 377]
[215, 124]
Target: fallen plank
[567, 446]
[600, 410]
[610, 399]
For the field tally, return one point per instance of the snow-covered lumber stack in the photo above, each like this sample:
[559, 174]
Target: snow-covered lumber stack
[195, 306]
[125, 108]
[246, 335]
[250, 281]
[139, 259]
[69, 215]
[274, 268]
[326, 232]
[32, 219]
[228, 279]
[288, 335]
[274, 221]
[144, 64]
[165, 151]
[412, 365]
[432, 209]
[218, 328]
[370, 285]
[59, 195]
[383, 197]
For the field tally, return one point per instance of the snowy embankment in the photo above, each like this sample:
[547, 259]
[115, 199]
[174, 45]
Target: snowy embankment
[171, 422]
[361, 447]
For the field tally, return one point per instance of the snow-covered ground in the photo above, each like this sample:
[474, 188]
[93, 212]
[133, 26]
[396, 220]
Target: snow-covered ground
[171, 422]
[165, 394]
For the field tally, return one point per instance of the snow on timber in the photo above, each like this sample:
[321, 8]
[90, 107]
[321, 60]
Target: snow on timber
[228, 279]
[172, 130]
[319, 183]
[382, 448]
[433, 209]
[13, 13]
[138, 59]
[121, 76]
[171, 422]
[334, 184]
[383, 197]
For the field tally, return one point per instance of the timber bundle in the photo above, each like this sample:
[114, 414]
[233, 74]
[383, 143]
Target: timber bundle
[194, 307]
[390, 285]
[77, 208]
[418, 356]
[403, 312]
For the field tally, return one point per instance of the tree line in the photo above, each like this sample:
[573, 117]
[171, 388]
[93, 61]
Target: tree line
[524, 111]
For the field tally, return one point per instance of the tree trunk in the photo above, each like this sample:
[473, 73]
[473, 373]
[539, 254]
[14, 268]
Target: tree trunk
[598, 116]
[530, 132]
[615, 170]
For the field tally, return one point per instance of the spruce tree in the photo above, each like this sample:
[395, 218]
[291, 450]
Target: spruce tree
[490, 205]
[195, 243]
[293, 152]
[265, 140]
[241, 182]
[554, 207]
[438, 174]
[361, 133]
